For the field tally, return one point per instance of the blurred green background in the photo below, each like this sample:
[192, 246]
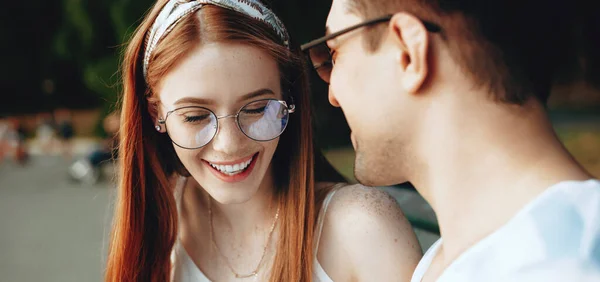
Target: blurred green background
[65, 54]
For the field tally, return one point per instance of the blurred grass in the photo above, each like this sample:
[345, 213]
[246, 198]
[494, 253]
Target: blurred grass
[343, 160]
[583, 143]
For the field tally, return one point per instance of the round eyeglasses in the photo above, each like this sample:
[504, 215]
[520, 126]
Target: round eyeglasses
[193, 127]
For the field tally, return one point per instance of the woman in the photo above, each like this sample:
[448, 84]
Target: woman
[218, 176]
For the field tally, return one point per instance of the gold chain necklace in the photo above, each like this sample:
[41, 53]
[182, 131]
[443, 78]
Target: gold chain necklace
[212, 236]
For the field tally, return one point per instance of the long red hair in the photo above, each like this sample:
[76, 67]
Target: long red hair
[145, 220]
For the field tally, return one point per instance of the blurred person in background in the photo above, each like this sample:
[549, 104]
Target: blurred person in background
[64, 128]
[46, 133]
[89, 169]
[208, 192]
[14, 140]
[457, 90]
[4, 127]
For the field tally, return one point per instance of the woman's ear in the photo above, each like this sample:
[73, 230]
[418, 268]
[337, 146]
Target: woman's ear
[156, 112]
[160, 125]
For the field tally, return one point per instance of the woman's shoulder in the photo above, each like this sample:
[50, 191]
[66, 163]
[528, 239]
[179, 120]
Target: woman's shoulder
[366, 227]
[356, 201]
[349, 200]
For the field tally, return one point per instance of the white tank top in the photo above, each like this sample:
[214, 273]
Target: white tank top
[185, 270]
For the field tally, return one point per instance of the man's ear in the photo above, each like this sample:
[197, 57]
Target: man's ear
[411, 42]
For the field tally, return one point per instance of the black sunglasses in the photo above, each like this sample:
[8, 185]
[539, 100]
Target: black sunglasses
[320, 54]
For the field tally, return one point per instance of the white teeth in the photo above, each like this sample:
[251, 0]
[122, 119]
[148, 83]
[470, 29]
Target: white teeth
[232, 169]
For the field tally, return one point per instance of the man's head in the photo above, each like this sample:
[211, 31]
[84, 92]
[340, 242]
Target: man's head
[387, 74]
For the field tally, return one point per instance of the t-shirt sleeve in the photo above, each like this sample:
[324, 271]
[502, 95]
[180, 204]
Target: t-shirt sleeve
[559, 271]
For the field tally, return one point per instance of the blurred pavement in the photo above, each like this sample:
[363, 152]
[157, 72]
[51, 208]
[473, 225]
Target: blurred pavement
[52, 229]
[56, 230]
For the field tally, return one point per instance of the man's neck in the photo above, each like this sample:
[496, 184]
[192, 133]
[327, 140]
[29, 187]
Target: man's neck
[492, 162]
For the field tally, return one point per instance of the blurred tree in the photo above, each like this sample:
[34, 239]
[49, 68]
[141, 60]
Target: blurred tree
[26, 28]
[63, 53]
[590, 38]
[90, 37]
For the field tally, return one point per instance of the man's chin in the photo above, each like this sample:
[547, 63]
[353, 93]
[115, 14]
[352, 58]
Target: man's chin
[374, 172]
[368, 175]
[373, 180]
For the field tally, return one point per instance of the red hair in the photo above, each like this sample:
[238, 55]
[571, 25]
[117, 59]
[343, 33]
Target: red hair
[145, 220]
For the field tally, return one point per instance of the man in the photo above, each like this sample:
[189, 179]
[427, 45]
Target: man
[450, 95]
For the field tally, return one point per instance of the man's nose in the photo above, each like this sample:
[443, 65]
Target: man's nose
[332, 100]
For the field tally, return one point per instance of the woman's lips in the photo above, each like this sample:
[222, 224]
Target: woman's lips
[227, 171]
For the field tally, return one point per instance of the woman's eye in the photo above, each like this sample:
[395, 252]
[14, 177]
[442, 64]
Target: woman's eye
[195, 118]
[255, 110]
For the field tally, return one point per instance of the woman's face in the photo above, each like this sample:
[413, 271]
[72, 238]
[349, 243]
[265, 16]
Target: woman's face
[223, 78]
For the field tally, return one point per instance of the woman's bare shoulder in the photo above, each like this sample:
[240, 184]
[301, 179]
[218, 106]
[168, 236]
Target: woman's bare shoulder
[366, 227]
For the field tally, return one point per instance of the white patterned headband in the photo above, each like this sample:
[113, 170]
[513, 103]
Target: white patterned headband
[175, 10]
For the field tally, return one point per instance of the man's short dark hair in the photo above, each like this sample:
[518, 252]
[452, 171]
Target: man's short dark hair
[510, 47]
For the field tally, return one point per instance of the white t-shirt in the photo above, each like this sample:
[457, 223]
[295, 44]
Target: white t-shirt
[186, 270]
[556, 237]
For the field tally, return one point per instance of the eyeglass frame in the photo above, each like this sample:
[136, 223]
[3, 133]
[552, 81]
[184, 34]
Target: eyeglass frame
[432, 27]
[290, 108]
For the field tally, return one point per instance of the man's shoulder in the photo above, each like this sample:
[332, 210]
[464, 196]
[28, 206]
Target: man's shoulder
[567, 220]
[557, 234]
[562, 223]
